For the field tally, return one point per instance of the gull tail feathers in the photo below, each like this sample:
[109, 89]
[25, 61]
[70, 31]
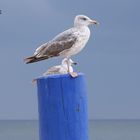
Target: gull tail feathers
[33, 59]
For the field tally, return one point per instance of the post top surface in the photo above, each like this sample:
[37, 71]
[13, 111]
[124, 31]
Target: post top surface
[58, 76]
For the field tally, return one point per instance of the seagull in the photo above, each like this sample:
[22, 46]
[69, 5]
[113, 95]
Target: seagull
[66, 44]
[61, 69]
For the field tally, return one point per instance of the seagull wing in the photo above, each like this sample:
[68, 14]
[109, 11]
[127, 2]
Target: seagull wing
[60, 43]
[54, 47]
[52, 70]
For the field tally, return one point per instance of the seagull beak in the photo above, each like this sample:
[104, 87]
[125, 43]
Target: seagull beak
[94, 22]
[74, 63]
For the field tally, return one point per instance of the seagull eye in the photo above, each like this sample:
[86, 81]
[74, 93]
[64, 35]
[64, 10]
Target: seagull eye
[84, 18]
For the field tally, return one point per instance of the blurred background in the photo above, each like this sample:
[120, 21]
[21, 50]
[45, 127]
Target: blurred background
[110, 61]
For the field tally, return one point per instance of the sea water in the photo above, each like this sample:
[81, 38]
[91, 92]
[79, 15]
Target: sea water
[98, 130]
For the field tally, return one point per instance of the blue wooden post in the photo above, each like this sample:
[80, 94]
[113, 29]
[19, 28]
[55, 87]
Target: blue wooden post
[62, 102]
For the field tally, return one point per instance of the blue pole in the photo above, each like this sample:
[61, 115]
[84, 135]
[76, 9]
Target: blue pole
[62, 103]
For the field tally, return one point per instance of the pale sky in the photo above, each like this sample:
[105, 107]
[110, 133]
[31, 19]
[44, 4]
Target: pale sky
[110, 61]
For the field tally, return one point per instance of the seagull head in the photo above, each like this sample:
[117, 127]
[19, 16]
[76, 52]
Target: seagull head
[82, 20]
[70, 61]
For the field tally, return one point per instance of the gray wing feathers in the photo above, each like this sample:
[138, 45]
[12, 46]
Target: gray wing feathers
[52, 70]
[54, 47]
